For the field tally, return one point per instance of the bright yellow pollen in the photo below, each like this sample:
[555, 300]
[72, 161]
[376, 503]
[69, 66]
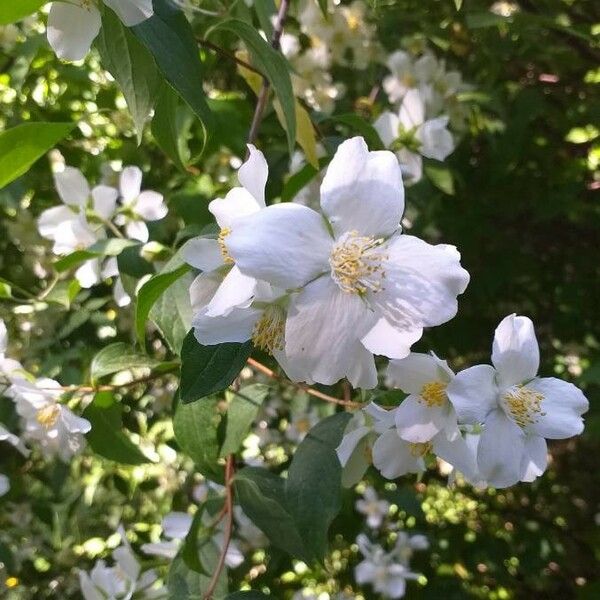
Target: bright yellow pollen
[434, 393]
[357, 263]
[353, 22]
[420, 448]
[223, 248]
[48, 415]
[524, 405]
[269, 330]
[11, 582]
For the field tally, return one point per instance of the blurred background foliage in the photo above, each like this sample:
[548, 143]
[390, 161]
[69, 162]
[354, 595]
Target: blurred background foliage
[523, 209]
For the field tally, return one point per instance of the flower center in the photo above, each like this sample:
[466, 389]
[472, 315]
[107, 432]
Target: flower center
[222, 247]
[48, 415]
[356, 263]
[420, 448]
[524, 405]
[434, 394]
[353, 21]
[269, 331]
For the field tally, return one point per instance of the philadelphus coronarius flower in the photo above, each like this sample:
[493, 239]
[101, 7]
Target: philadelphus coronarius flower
[74, 24]
[517, 409]
[356, 286]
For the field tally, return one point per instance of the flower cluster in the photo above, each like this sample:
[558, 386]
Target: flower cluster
[323, 292]
[489, 423]
[87, 215]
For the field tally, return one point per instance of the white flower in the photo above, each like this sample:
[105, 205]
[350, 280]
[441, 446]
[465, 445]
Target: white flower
[517, 409]
[73, 25]
[138, 206]
[221, 286]
[381, 570]
[122, 581]
[426, 410]
[406, 545]
[51, 425]
[403, 76]
[375, 509]
[365, 288]
[4, 484]
[412, 136]
[13, 440]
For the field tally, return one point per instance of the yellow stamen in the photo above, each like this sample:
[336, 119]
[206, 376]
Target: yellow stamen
[524, 405]
[420, 448]
[353, 21]
[223, 248]
[434, 393]
[48, 415]
[269, 330]
[357, 263]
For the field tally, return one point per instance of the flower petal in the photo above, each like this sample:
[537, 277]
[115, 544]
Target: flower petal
[323, 331]
[104, 200]
[287, 245]
[88, 274]
[363, 191]
[515, 351]
[392, 456]
[387, 126]
[458, 454]
[72, 28]
[203, 289]
[150, 206]
[388, 341]
[418, 422]
[436, 141]
[137, 230]
[474, 393]
[130, 184]
[410, 374]
[71, 185]
[236, 291]
[253, 174]
[236, 326]
[176, 525]
[412, 110]
[203, 253]
[535, 458]
[501, 450]
[561, 409]
[131, 12]
[52, 219]
[238, 202]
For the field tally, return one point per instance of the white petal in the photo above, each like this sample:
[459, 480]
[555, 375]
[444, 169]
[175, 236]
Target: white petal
[3, 338]
[150, 206]
[458, 454]
[350, 442]
[387, 126]
[422, 283]
[515, 351]
[436, 141]
[363, 191]
[72, 28]
[71, 185]
[52, 219]
[412, 110]
[130, 184]
[535, 458]
[418, 422]
[104, 199]
[236, 290]
[561, 409]
[410, 374]
[122, 298]
[202, 290]
[89, 273]
[474, 393]
[323, 331]
[287, 245]
[110, 268]
[165, 549]
[236, 326]
[411, 165]
[393, 458]
[176, 525]
[202, 253]
[253, 174]
[88, 589]
[388, 341]
[238, 203]
[132, 12]
[500, 450]
[73, 423]
[358, 462]
[137, 230]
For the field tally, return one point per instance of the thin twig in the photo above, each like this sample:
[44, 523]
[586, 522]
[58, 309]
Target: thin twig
[229, 473]
[229, 55]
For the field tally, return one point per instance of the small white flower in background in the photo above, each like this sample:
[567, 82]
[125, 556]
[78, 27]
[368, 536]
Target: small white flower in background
[406, 545]
[372, 507]
[382, 570]
[300, 424]
[4, 484]
[138, 206]
[122, 581]
[9, 34]
[403, 76]
[412, 136]
[73, 25]
[364, 288]
[518, 410]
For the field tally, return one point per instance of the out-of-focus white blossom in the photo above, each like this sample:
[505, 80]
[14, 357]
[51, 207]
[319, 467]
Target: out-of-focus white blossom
[373, 508]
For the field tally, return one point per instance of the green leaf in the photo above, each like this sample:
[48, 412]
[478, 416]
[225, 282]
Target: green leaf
[190, 549]
[359, 125]
[106, 437]
[249, 595]
[441, 177]
[149, 293]
[240, 414]
[323, 7]
[170, 38]
[131, 65]
[186, 584]
[196, 428]
[22, 145]
[313, 488]
[118, 357]
[108, 247]
[15, 10]
[207, 370]
[273, 66]
[265, 11]
[170, 127]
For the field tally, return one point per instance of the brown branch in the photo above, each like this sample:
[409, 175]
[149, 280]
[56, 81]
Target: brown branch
[228, 513]
[229, 55]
